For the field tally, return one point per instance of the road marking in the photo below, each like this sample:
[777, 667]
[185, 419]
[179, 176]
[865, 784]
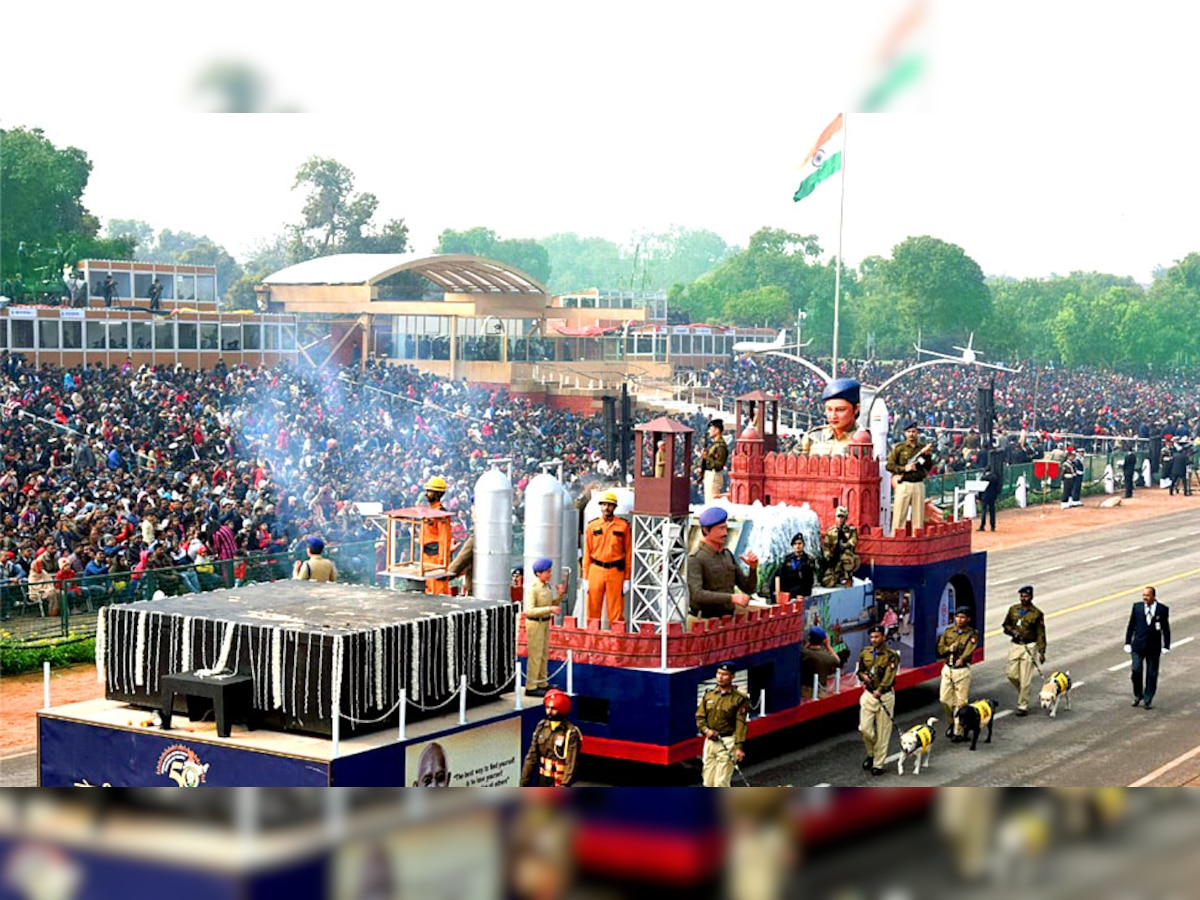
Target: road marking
[1129, 662]
[1180, 643]
[1117, 596]
[822, 784]
[1164, 540]
[1163, 770]
[1129, 549]
[1008, 580]
[1092, 559]
[1051, 569]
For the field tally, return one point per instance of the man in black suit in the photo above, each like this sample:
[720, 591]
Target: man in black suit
[1147, 637]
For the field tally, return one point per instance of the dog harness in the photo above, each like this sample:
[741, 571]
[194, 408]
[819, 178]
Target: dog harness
[924, 734]
[985, 711]
[1062, 681]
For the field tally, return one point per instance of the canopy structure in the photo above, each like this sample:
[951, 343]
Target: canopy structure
[454, 273]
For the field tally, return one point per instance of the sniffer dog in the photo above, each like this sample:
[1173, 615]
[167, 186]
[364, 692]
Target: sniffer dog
[915, 744]
[1056, 689]
[974, 717]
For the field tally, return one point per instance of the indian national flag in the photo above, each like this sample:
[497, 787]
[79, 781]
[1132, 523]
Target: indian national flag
[823, 161]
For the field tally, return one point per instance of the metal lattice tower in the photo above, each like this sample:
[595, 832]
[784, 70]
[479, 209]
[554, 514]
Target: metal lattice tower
[655, 539]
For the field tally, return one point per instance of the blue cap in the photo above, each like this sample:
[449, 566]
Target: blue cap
[713, 515]
[1028, 589]
[842, 389]
[816, 633]
[541, 565]
[727, 667]
[910, 424]
[963, 611]
[315, 544]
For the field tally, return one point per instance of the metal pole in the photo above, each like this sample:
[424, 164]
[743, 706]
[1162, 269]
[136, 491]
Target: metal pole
[46, 684]
[571, 672]
[462, 700]
[336, 712]
[517, 686]
[403, 714]
[666, 568]
[816, 686]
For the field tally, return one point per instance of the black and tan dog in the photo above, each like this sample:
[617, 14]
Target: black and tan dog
[976, 716]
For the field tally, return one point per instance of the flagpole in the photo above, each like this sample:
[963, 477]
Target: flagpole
[837, 272]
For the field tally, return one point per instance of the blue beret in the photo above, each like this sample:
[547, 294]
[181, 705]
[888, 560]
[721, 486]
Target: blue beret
[541, 565]
[315, 544]
[727, 667]
[713, 515]
[842, 389]
[816, 633]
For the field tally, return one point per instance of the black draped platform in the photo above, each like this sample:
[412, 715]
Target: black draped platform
[305, 643]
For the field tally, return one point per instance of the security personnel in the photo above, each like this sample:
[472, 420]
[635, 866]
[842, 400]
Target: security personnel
[713, 461]
[909, 463]
[713, 573]
[841, 398]
[316, 567]
[876, 670]
[1026, 625]
[607, 561]
[540, 606]
[839, 543]
[955, 647]
[435, 536]
[721, 719]
[554, 749]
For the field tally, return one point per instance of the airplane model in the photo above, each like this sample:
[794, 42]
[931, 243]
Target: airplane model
[970, 356]
[779, 343]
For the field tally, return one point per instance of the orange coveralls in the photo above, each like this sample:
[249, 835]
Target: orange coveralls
[607, 562]
[435, 550]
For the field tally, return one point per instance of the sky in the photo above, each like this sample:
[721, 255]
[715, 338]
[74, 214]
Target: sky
[1041, 138]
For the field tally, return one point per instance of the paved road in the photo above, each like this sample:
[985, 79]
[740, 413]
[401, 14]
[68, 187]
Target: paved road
[1085, 584]
[19, 770]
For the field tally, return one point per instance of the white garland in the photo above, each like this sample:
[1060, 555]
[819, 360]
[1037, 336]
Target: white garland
[483, 645]
[277, 668]
[414, 681]
[139, 649]
[185, 650]
[223, 656]
[101, 642]
[335, 675]
[377, 637]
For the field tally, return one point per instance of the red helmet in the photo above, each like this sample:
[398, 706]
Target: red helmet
[559, 701]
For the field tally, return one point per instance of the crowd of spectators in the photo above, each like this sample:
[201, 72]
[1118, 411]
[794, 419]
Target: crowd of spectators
[109, 472]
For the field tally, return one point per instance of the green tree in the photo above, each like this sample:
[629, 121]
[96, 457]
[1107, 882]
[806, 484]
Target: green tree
[265, 258]
[939, 289]
[135, 230]
[578, 263]
[768, 305]
[43, 222]
[1095, 329]
[525, 254]
[337, 219]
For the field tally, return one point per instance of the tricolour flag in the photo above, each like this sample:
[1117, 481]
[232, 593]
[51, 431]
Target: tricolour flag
[824, 159]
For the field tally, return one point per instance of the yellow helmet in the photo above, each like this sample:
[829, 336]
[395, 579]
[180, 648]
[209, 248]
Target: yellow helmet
[608, 497]
[437, 483]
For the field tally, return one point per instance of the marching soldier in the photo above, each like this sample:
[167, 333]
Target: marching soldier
[721, 718]
[839, 543]
[713, 461]
[955, 647]
[554, 748]
[607, 561]
[1026, 625]
[877, 668]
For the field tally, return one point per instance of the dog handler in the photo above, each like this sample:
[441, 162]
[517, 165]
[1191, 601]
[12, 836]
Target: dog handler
[877, 668]
[955, 647]
[721, 718]
[1026, 625]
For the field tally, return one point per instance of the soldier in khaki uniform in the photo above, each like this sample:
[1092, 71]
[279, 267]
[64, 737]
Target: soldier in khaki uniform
[842, 403]
[713, 573]
[1026, 625]
[554, 748]
[316, 567]
[877, 668]
[955, 647]
[721, 718]
[540, 607]
[909, 464]
[713, 461]
[839, 543]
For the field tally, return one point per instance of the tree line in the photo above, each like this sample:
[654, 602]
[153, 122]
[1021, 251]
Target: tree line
[927, 289]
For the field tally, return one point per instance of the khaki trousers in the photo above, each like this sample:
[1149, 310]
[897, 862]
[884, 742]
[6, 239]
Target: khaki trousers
[714, 485]
[718, 762]
[909, 496]
[956, 687]
[537, 642]
[875, 724]
[1020, 672]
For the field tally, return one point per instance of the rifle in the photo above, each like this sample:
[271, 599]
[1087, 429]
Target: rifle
[896, 477]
